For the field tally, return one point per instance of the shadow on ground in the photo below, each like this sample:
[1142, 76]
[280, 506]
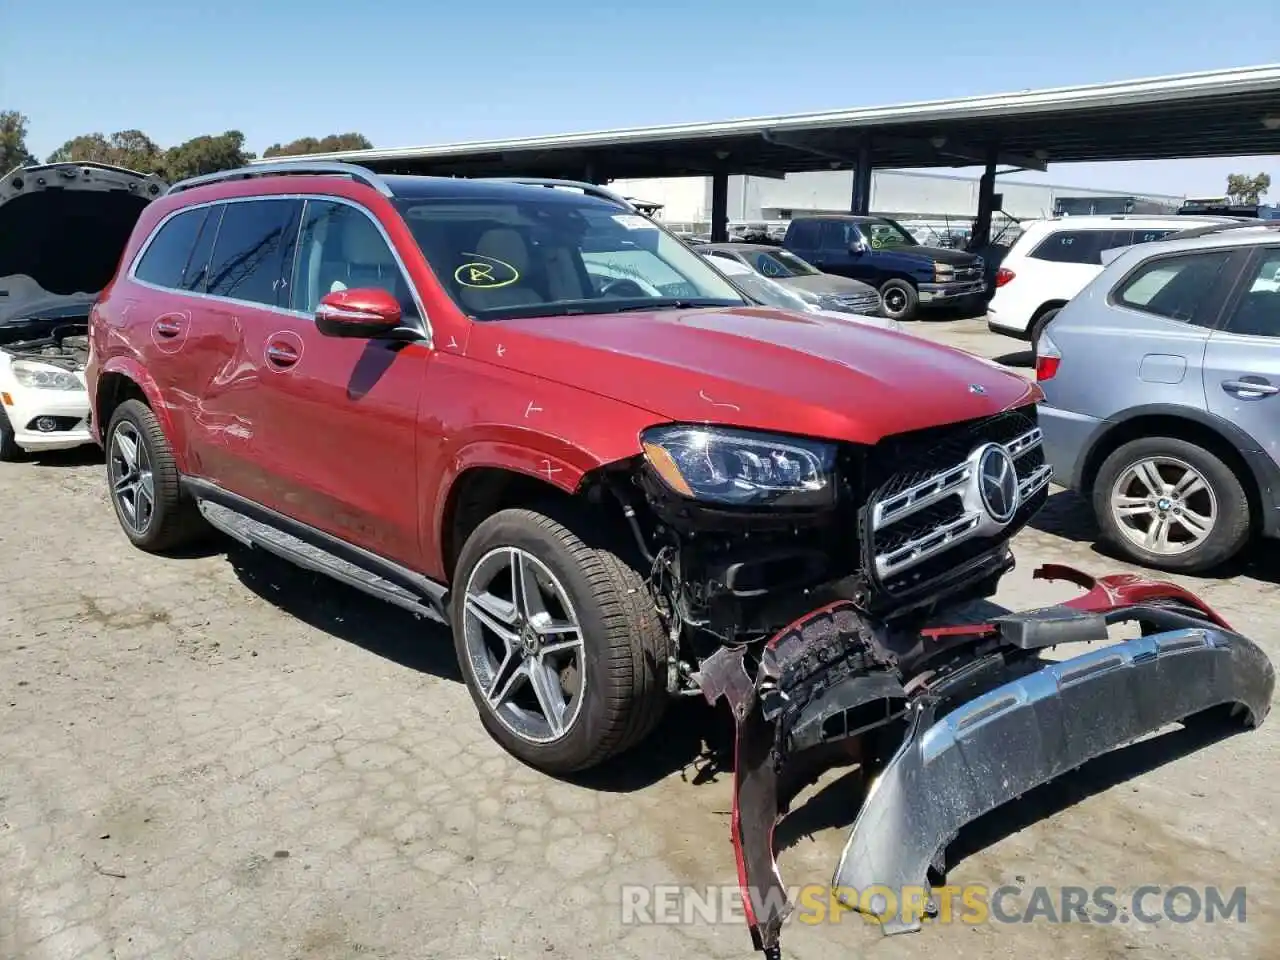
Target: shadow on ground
[86, 456]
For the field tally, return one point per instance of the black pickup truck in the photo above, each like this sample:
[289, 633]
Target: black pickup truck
[878, 251]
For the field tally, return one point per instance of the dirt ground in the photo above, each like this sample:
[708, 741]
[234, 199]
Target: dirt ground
[221, 756]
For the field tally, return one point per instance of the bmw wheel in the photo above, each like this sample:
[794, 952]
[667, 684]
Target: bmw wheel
[1171, 504]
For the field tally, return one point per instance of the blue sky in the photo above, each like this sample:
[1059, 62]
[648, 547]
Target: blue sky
[405, 72]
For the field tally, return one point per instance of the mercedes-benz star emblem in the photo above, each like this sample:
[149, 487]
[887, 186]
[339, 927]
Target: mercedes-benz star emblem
[998, 483]
[977, 388]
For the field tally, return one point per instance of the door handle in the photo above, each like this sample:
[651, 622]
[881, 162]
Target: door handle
[168, 328]
[1250, 389]
[282, 355]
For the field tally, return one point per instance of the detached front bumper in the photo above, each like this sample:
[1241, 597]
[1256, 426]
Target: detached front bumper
[960, 719]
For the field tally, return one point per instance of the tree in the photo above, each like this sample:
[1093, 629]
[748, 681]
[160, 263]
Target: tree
[207, 154]
[330, 144]
[131, 149]
[1242, 188]
[13, 141]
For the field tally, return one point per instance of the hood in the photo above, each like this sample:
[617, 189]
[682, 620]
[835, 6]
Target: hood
[826, 283]
[759, 368]
[957, 258]
[63, 228]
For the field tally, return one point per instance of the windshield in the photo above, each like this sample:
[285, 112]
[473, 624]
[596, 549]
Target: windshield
[782, 263]
[560, 254]
[769, 292]
[886, 233]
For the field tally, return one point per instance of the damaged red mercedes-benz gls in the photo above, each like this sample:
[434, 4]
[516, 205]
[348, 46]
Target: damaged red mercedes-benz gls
[527, 411]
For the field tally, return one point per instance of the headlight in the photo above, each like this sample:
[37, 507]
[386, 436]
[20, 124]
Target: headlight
[44, 376]
[742, 468]
[942, 272]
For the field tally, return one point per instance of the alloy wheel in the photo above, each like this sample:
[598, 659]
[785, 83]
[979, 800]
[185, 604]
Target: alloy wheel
[1164, 506]
[524, 644]
[132, 483]
[895, 301]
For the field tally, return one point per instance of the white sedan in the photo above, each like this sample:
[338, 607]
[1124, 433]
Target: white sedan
[43, 401]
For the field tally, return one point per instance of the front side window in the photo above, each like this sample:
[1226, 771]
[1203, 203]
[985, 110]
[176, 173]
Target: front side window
[838, 234]
[253, 250]
[885, 233]
[1179, 288]
[341, 248]
[562, 253]
[165, 258]
[1257, 314]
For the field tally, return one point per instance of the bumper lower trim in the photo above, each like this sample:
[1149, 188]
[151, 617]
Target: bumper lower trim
[992, 749]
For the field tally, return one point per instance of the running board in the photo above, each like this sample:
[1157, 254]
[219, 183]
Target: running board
[255, 533]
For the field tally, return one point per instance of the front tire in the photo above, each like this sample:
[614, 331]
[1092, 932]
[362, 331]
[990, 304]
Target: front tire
[559, 643]
[1172, 505]
[143, 482]
[899, 300]
[9, 449]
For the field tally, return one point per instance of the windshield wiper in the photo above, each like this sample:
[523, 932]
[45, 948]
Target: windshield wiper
[673, 303]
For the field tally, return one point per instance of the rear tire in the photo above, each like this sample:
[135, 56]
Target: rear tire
[609, 691]
[899, 300]
[1171, 505]
[9, 449]
[144, 484]
[1041, 322]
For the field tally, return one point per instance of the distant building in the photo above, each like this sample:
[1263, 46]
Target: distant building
[901, 194]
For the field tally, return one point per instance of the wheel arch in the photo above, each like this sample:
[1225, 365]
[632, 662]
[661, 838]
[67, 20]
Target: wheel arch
[123, 380]
[1220, 437]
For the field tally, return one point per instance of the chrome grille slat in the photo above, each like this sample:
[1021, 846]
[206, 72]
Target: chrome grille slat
[957, 481]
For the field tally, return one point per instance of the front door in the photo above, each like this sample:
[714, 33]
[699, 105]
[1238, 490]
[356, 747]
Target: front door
[1242, 361]
[338, 415]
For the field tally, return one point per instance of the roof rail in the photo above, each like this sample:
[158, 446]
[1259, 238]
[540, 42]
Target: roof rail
[590, 189]
[282, 168]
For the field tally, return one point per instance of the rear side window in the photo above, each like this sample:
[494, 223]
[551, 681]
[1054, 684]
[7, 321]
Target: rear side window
[165, 258]
[1080, 246]
[1180, 288]
[804, 234]
[1257, 313]
[1149, 236]
[254, 245]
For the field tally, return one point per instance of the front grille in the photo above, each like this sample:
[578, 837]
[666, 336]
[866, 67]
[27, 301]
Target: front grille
[927, 514]
[972, 271]
[867, 304]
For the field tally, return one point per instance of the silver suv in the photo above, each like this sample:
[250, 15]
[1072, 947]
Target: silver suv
[1162, 388]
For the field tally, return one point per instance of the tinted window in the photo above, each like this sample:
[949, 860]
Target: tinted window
[1080, 246]
[1148, 236]
[340, 248]
[167, 254]
[837, 235]
[1180, 288]
[197, 272]
[804, 234]
[251, 249]
[1257, 314]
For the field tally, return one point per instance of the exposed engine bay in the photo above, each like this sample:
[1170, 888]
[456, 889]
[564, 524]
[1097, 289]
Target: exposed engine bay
[849, 622]
[59, 341]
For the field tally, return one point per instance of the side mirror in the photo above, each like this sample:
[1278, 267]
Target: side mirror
[364, 312]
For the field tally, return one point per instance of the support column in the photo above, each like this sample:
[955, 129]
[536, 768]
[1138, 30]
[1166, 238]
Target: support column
[589, 174]
[986, 204]
[860, 201]
[720, 206]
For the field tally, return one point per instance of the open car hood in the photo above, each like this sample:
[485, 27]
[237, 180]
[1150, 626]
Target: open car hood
[63, 228]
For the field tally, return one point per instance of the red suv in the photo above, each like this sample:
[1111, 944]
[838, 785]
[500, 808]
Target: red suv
[526, 410]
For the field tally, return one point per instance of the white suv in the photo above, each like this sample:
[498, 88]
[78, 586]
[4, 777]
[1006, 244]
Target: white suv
[1053, 260]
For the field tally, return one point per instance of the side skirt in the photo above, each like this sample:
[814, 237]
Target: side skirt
[257, 526]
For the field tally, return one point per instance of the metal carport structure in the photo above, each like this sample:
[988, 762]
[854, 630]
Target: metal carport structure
[1207, 114]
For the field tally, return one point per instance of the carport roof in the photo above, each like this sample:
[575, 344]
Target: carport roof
[1207, 114]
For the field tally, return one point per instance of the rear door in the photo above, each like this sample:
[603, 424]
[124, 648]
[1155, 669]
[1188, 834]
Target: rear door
[803, 238]
[1242, 362]
[244, 298]
[1066, 260]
